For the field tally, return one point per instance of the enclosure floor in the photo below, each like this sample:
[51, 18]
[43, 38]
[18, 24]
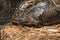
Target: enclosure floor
[17, 32]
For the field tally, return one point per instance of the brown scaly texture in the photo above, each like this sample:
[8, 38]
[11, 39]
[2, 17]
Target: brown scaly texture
[27, 13]
[51, 16]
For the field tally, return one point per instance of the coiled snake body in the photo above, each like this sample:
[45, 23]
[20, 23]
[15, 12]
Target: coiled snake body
[36, 12]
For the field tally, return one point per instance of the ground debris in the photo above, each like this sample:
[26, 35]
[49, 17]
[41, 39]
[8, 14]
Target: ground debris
[12, 32]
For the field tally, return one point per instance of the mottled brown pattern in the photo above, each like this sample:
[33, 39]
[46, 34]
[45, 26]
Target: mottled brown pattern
[29, 15]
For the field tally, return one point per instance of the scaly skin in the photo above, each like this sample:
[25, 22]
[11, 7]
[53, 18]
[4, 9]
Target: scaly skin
[31, 12]
[42, 13]
[50, 16]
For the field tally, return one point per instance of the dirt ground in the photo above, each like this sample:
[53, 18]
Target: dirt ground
[17, 32]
